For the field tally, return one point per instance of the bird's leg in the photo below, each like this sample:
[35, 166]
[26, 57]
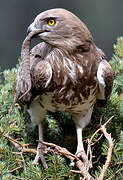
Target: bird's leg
[81, 120]
[40, 154]
[37, 114]
[80, 148]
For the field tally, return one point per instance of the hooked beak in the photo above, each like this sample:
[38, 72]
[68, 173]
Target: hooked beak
[28, 30]
[31, 28]
[38, 33]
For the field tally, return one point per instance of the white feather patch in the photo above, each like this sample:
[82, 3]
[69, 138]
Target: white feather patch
[102, 85]
[49, 71]
[100, 74]
[80, 68]
[70, 66]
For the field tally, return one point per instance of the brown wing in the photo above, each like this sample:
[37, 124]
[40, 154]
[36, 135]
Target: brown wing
[23, 87]
[23, 81]
[105, 76]
[41, 76]
[41, 71]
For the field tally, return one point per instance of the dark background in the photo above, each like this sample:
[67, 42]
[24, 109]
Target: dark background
[103, 18]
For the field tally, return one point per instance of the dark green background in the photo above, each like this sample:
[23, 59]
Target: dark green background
[104, 18]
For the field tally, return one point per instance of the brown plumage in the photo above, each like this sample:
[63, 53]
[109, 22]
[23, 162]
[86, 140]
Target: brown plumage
[65, 72]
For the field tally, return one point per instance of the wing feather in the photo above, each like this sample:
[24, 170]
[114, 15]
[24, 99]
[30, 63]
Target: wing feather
[41, 75]
[41, 71]
[105, 77]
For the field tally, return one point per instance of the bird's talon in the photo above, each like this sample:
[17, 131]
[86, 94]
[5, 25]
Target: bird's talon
[40, 156]
[82, 155]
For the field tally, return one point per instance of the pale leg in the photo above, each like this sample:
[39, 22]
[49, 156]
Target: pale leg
[80, 146]
[40, 154]
[81, 121]
[37, 114]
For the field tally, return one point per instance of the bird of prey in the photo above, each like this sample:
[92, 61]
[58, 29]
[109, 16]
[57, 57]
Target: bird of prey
[65, 72]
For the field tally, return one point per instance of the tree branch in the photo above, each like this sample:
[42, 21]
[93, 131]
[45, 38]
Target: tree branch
[82, 166]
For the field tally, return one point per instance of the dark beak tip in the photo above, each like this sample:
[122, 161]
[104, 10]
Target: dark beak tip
[28, 30]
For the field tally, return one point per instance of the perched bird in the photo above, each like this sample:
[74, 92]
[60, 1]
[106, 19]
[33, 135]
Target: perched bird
[64, 72]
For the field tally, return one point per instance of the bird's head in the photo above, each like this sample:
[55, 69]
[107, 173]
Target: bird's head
[61, 28]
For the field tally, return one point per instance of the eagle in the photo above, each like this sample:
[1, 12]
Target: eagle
[65, 72]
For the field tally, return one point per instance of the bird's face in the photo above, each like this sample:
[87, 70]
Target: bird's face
[60, 28]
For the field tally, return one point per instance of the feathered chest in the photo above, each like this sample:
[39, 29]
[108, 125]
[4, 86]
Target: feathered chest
[70, 101]
[70, 80]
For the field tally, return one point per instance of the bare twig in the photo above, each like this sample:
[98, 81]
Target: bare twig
[63, 151]
[11, 171]
[99, 128]
[82, 166]
[19, 146]
[22, 149]
[97, 140]
[24, 164]
[89, 151]
[89, 154]
[119, 163]
[83, 170]
[110, 149]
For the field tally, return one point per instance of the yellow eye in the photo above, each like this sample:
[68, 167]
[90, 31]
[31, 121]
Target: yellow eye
[51, 22]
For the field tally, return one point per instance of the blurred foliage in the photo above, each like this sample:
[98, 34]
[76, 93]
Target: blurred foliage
[59, 128]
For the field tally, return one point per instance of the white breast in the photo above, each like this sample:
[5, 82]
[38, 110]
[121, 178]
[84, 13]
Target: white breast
[49, 103]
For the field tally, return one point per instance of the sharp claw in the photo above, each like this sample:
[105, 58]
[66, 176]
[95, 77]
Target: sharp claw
[82, 155]
[40, 156]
